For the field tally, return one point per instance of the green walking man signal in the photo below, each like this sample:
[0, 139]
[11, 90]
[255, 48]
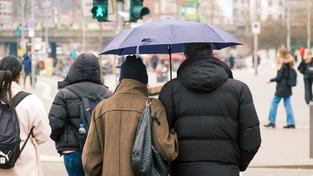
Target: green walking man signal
[100, 10]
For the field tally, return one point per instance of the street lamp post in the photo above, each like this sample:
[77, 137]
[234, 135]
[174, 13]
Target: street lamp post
[22, 20]
[255, 40]
[309, 23]
[288, 25]
[32, 43]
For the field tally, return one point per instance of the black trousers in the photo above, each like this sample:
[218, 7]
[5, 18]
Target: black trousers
[308, 89]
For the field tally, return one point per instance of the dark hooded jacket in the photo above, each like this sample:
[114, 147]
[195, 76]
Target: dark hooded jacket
[282, 87]
[64, 115]
[214, 118]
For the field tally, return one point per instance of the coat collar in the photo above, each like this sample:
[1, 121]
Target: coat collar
[15, 88]
[130, 86]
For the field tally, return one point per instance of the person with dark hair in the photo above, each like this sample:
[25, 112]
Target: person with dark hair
[306, 68]
[213, 115]
[114, 122]
[68, 125]
[31, 115]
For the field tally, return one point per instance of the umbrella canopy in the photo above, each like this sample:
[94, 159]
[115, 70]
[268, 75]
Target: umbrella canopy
[167, 36]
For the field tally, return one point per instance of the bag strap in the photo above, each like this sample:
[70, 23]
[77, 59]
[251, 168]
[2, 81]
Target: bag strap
[76, 91]
[148, 104]
[15, 101]
[28, 136]
[18, 98]
[82, 96]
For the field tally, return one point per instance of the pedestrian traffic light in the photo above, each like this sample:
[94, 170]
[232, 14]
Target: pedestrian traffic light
[100, 10]
[18, 32]
[137, 11]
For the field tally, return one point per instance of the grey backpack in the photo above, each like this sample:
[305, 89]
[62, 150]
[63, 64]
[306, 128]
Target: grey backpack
[88, 103]
[146, 160]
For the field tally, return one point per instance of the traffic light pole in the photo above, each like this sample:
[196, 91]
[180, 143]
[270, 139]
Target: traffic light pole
[119, 18]
[288, 25]
[22, 20]
[309, 23]
[255, 40]
[33, 76]
[119, 26]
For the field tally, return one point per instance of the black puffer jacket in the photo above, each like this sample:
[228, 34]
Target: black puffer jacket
[214, 117]
[306, 69]
[282, 88]
[64, 115]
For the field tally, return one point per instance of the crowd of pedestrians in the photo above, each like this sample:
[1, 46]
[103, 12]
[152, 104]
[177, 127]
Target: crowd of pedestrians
[203, 123]
[94, 129]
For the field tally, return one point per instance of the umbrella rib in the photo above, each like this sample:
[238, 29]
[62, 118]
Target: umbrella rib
[133, 29]
[215, 32]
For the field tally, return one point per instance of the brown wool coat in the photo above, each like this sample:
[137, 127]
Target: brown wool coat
[107, 151]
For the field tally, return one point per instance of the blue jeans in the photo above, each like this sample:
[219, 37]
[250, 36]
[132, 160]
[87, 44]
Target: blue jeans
[288, 108]
[73, 164]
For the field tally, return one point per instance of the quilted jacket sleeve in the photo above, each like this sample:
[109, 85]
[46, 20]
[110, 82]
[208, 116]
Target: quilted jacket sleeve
[166, 99]
[249, 134]
[57, 116]
[164, 140]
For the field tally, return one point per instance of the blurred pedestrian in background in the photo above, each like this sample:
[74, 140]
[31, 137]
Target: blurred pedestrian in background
[114, 122]
[306, 68]
[231, 61]
[154, 61]
[32, 119]
[213, 115]
[68, 125]
[258, 60]
[27, 67]
[302, 53]
[285, 62]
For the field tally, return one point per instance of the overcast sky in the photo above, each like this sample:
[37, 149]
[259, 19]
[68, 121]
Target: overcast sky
[226, 6]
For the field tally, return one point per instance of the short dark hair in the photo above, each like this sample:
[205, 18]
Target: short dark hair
[198, 49]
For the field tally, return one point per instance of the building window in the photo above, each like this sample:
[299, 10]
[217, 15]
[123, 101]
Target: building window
[270, 17]
[270, 3]
[280, 4]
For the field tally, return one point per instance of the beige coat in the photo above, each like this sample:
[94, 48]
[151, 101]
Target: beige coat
[107, 151]
[31, 113]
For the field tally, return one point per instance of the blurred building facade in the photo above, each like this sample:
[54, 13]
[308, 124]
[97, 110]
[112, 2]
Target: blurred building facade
[273, 10]
[6, 14]
[241, 12]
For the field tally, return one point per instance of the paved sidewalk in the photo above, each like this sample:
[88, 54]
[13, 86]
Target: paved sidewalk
[281, 148]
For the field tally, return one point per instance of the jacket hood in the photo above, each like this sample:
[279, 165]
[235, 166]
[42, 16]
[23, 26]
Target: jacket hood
[85, 68]
[203, 74]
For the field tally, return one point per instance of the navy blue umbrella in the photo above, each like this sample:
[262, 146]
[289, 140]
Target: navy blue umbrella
[166, 37]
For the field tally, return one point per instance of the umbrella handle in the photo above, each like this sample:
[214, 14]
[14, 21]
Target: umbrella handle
[169, 47]
[143, 41]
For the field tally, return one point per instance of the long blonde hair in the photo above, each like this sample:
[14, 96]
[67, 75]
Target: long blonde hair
[284, 57]
[308, 56]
